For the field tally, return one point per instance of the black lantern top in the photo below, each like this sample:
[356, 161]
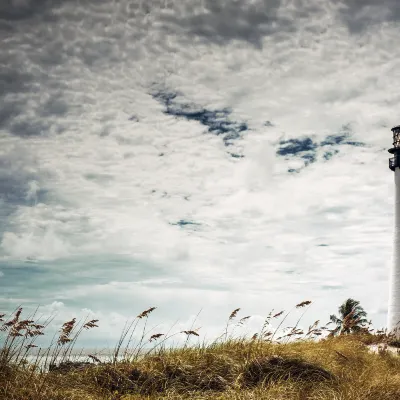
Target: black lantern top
[394, 162]
[396, 140]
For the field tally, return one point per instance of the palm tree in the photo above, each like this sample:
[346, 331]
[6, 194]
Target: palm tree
[352, 318]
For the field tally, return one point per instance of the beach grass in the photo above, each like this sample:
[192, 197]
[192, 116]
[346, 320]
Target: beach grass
[315, 364]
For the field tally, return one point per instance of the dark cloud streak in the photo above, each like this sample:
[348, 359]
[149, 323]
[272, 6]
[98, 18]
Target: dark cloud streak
[223, 21]
[361, 15]
[11, 10]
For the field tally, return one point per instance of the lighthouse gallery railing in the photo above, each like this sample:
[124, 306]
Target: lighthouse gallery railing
[393, 163]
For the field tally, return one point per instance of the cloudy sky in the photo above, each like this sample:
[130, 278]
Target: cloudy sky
[202, 154]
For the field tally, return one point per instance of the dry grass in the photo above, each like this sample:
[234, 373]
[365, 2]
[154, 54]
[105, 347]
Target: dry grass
[297, 366]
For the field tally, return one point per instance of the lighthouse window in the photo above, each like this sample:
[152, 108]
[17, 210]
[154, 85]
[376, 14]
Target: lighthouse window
[396, 137]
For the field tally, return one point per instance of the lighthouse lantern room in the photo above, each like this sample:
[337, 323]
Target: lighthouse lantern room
[395, 150]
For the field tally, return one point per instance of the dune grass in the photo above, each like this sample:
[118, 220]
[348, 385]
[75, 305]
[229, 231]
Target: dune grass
[298, 365]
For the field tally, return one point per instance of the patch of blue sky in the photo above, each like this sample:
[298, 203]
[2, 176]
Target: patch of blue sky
[218, 122]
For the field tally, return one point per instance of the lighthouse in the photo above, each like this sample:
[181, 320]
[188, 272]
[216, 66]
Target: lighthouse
[394, 291]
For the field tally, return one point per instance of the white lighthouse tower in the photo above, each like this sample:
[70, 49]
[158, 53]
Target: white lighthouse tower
[394, 292]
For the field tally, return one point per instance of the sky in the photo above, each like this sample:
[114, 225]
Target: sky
[196, 156]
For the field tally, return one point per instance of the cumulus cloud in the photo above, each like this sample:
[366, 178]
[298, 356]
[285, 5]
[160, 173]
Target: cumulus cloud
[187, 155]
